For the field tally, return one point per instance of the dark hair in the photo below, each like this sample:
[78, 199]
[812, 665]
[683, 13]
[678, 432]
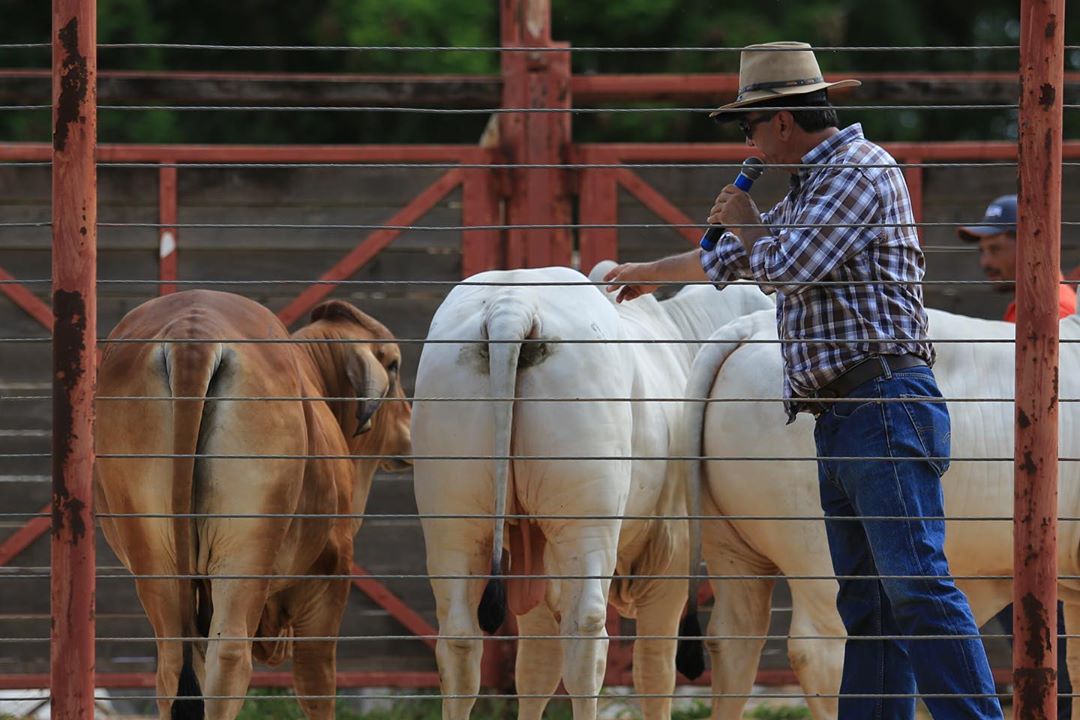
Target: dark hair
[815, 111]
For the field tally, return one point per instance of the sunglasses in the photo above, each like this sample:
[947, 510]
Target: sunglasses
[748, 125]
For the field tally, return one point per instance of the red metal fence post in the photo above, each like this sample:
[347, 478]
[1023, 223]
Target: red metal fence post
[74, 269]
[537, 81]
[167, 231]
[1036, 454]
[598, 205]
[480, 249]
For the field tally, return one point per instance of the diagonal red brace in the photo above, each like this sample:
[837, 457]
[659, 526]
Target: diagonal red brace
[370, 247]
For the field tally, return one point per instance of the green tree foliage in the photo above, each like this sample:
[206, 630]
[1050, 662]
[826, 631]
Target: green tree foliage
[461, 23]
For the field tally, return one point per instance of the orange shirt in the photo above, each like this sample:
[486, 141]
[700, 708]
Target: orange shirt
[1066, 303]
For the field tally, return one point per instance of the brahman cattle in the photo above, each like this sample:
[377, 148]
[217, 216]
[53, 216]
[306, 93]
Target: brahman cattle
[235, 445]
[577, 464]
[745, 362]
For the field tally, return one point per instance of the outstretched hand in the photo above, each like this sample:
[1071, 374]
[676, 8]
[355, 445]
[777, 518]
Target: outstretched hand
[626, 279]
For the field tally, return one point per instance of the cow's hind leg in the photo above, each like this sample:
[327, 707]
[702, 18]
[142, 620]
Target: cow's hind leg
[658, 613]
[539, 659]
[818, 662]
[740, 616]
[314, 661]
[238, 605]
[459, 648]
[587, 562]
[162, 605]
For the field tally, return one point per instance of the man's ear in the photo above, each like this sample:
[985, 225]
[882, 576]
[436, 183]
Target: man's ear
[786, 124]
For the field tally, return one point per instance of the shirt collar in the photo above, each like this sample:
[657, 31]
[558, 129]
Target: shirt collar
[826, 148]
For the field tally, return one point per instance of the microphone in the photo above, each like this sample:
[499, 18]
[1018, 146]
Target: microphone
[750, 171]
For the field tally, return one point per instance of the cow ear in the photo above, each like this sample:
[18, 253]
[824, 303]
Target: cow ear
[363, 371]
[335, 310]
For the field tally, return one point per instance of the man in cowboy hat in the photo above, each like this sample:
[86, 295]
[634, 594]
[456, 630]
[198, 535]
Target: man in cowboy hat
[841, 254]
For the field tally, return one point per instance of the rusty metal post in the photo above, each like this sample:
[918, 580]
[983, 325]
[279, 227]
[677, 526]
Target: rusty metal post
[74, 304]
[167, 239]
[1036, 454]
[535, 80]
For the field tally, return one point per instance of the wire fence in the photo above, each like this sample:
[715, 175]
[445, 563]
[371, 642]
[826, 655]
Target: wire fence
[106, 572]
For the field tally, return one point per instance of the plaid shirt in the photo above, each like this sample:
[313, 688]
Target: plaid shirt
[837, 225]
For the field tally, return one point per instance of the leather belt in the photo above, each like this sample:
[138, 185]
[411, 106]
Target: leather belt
[866, 370]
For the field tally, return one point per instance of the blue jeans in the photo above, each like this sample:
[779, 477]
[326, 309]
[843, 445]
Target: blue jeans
[914, 595]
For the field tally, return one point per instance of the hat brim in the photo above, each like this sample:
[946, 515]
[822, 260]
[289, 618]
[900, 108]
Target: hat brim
[974, 233]
[755, 97]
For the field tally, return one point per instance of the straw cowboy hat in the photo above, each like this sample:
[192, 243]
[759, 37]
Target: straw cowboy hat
[774, 70]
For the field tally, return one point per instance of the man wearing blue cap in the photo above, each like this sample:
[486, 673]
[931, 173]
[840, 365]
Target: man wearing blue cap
[996, 235]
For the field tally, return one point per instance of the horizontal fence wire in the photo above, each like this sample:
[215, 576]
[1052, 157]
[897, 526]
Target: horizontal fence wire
[524, 516]
[499, 110]
[360, 398]
[532, 283]
[525, 48]
[559, 458]
[30, 573]
[512, 226]
[411, 165]
[543, 696]
[516, 637]
[524, 341]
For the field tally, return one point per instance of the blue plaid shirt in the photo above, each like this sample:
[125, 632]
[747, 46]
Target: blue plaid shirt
[851, 226]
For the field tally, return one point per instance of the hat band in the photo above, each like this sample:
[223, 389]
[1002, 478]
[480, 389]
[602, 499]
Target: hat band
[780, 84]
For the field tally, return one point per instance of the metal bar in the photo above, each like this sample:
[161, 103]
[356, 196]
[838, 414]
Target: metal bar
[74, 267]
[512, 126]
[1038, 259]
[659, 204]
[599, 204]
[390, 602]
[18, 86]
[736, 152]
[25, 535]
[362, 679]
[539, 84]
[167, 216]
[26, 300]
[695, 153]
[261, 153]
[914, 178]
[352, 679]
[480, 249]
[370, 247]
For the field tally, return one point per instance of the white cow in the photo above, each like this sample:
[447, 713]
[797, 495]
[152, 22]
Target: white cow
[733, 368]
[493, 342]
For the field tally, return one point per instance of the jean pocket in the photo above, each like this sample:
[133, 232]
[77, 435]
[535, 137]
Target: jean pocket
[862, 397]
[929, 418]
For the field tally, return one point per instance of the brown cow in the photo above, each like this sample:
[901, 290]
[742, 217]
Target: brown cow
[232, 456]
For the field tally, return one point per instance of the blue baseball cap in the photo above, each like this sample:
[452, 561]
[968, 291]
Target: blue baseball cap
[1000, 217]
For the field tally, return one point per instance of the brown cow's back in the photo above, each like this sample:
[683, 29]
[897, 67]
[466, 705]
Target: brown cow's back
[228, 439]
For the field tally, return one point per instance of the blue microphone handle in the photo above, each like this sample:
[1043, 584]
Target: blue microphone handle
[743, 183]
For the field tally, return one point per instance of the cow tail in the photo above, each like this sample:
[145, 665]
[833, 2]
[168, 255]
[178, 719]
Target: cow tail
[190, 368]
[506, 324]
[690, 655]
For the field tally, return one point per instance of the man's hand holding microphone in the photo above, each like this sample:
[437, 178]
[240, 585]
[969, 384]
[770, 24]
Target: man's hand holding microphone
[733, 210]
